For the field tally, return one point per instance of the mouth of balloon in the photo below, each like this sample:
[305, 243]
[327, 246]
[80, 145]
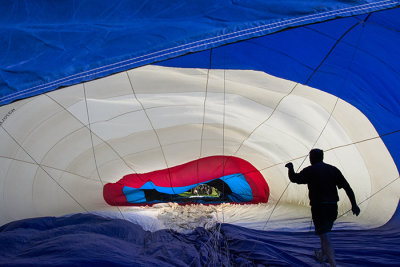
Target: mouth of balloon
[209, 180]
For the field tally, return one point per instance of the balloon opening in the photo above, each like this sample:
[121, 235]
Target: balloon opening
[210, 180]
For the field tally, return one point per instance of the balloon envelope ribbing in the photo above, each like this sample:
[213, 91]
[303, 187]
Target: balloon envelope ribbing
[123, 114]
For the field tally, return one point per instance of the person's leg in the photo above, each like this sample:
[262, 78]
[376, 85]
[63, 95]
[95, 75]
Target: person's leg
[323, 252]
[316, 213]
[320, 253]
[327, 248]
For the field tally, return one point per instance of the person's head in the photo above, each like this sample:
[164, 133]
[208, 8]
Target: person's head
[316, 155]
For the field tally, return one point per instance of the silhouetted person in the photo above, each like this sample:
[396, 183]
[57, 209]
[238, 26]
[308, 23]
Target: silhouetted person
[322, 180]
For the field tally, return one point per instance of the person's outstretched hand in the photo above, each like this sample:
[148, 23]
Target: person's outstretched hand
[289, 165]
[356, 210]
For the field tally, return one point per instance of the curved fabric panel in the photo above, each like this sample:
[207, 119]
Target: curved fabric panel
[65, 144]
[73, 42]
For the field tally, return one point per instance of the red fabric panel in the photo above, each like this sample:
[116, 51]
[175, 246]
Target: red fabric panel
[193, 172]
[113, 195]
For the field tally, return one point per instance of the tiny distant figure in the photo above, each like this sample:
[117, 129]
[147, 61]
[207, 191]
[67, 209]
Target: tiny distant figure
[322, 180]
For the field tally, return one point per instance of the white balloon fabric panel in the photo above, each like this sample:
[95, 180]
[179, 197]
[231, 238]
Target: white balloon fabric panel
[60, 148]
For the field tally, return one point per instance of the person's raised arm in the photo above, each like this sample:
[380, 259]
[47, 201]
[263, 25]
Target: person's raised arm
[293, 176]
[290, 170]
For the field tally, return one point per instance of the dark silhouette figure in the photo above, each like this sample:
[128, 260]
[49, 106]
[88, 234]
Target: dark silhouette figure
[323, 180]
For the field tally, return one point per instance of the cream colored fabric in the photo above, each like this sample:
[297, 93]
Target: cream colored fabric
[58, 150]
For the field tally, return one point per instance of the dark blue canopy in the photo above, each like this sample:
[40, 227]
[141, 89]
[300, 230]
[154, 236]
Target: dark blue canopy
[47, 45]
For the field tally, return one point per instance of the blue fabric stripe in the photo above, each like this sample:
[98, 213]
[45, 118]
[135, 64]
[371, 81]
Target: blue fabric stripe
[167, 190]
[134, 195]
[241, 190]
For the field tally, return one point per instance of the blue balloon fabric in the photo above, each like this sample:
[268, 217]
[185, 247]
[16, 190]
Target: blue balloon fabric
[91, 240]
[75, 41]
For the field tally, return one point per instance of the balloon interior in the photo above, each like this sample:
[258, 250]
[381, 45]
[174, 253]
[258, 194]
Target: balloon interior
[180, 138]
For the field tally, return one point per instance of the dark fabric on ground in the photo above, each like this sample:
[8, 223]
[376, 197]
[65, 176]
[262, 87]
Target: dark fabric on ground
[89, 240]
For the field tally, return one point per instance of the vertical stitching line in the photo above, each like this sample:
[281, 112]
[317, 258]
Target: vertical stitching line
[154, 130]
[91, 140]
[204, 115]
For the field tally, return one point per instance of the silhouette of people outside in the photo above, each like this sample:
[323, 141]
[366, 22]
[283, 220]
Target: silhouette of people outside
[322, 180]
